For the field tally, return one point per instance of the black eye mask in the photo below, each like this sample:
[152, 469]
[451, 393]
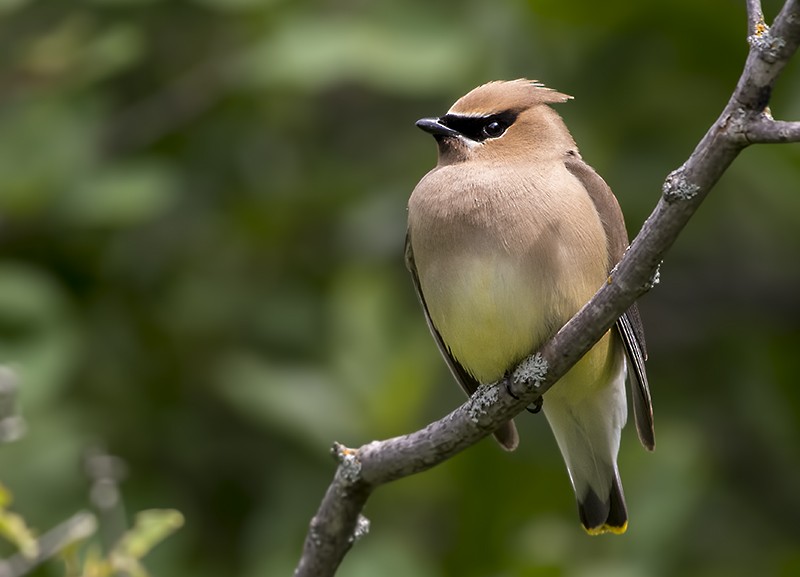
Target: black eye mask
[479, 128]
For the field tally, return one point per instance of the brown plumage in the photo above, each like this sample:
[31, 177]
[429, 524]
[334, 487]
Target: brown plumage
[509, 235]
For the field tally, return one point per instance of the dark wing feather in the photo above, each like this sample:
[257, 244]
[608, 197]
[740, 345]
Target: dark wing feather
[507, 434]
[630, 329]
[629, 325]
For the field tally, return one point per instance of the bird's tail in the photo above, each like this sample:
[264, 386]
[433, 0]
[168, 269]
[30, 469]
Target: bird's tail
[587, 425]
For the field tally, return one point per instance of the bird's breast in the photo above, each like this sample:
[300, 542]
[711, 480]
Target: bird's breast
[501, 268]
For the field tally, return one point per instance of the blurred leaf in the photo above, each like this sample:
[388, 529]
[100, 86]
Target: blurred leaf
[5, 497]
[300, 402]
[80, 49]
[45, 144]
[38, 334]
[73, 556]
[149, 529]
[56, 51]
[14, 529]
[121, 195]
[8, 6]
[318, 51]
[112, 50]
[95, 565]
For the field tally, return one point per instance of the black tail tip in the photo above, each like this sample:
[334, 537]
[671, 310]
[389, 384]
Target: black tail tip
[600, 516]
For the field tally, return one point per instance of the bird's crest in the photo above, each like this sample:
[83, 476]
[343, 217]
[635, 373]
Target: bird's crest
[504, 95]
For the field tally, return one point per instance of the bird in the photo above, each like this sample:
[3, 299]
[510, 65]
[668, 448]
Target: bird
[508, 236]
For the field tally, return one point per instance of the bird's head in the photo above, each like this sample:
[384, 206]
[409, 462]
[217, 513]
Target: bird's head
[501, 120]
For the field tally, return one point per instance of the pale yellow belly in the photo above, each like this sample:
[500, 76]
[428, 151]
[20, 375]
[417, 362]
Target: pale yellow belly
[489, 313]
[492, 313]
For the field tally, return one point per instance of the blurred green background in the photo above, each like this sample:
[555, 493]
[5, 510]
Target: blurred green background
[202, 211]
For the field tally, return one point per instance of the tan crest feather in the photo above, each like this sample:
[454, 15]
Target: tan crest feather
[502, 95]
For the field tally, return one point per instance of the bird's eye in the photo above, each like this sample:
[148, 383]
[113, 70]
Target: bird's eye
[494, 129]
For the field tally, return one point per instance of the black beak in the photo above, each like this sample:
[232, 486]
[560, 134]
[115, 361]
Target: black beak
[435, 127]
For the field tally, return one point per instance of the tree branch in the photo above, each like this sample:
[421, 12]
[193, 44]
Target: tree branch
[744, 120]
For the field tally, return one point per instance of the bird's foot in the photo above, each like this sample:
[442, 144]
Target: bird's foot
[533, 408]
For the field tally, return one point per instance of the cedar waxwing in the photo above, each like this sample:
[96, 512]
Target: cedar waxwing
[508, 237]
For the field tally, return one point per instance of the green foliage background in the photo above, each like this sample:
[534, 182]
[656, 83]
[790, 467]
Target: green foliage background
[202, 214]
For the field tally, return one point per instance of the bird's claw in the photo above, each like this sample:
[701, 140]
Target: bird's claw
[510, 392]
[533, 408]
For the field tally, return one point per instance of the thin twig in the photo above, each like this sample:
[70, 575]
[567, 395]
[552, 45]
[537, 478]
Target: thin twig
[105, 472]
[77, 528]
[766, 131]
[743, 121]
[755, 16]
[12, 425]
